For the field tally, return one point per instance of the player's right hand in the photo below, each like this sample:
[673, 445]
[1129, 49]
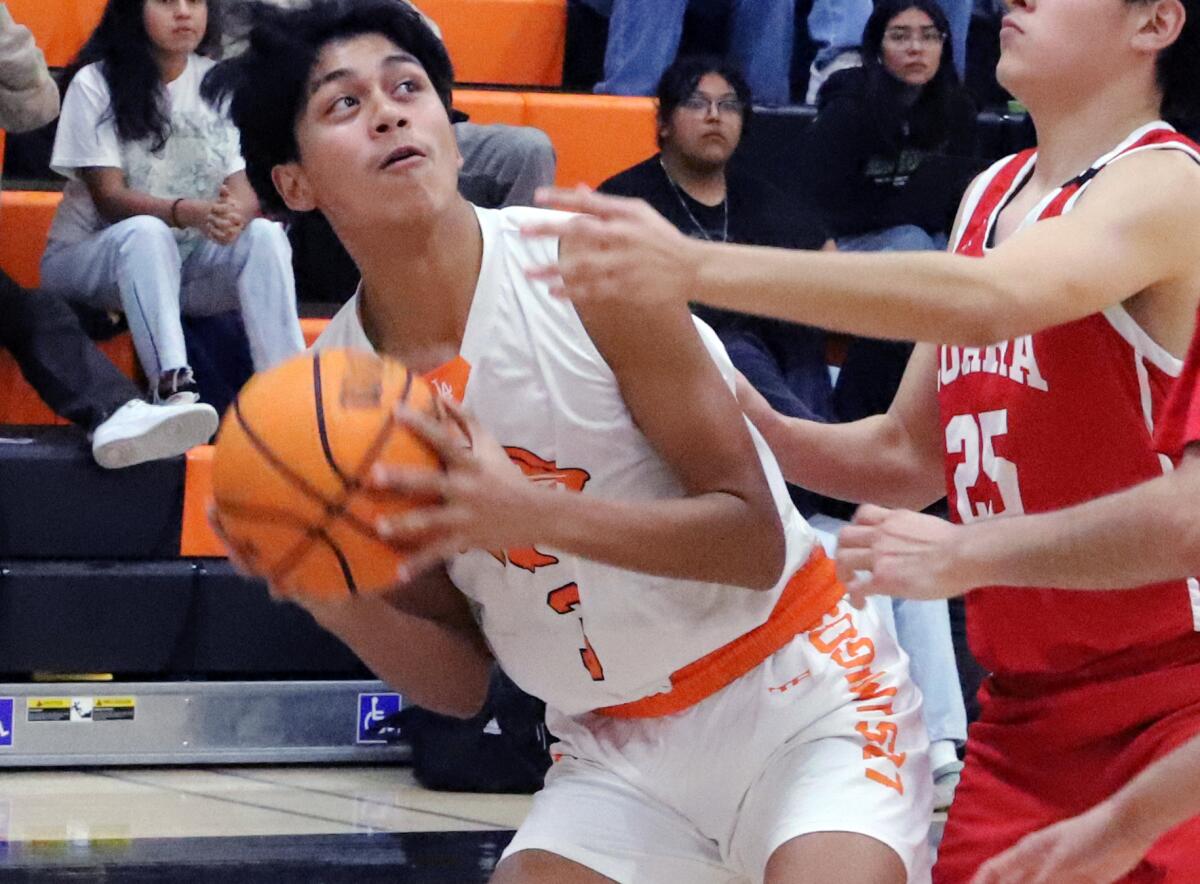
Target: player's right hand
[1088, 849]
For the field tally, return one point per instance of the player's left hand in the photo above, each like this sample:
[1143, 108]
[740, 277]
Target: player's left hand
[482, 499]
[1088, 849]
[898, 553]
[615, 250]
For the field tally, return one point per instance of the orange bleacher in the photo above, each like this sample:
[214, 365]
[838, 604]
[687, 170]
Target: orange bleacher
[60, 27]
[503, 42]
[25, 218]
[595, 136]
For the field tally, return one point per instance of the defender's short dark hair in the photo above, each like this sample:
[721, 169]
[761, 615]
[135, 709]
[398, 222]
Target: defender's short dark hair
[266, 86]
[1179, 70]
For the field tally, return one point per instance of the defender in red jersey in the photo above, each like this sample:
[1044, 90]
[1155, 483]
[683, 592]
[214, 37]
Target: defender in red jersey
[1072, 295]
[1144, 534]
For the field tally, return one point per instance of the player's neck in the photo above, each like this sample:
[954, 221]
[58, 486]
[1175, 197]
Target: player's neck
[418, 285]
[703, 183]
[1073, 135]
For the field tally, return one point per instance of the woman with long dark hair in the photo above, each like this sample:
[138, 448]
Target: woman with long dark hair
[889, 153]
[158, 218]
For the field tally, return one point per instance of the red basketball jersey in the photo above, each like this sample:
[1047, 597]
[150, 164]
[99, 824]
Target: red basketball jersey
[1180, 424]
[1053, 419]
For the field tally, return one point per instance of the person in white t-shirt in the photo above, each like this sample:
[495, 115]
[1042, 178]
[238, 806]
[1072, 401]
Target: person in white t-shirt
[157, 219]
[632, 556]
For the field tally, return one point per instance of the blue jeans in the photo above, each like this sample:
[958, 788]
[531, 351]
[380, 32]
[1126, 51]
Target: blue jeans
[903, 238]
[837, 25]
[643, 39]
[959, 14]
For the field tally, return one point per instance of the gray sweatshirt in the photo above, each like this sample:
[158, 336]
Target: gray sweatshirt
[28, 96]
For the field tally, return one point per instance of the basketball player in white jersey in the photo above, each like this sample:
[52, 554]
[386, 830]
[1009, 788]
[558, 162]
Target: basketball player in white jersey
[632, 556]
[1071, 297]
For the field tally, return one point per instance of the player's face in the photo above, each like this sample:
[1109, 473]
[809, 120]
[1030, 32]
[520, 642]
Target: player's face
[707, 126]
[175, 26]
[912, 47]
[1064, 48]
[375, 142]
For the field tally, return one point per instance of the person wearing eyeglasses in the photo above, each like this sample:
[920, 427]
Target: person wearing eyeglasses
[885, 162]
[704, 108]
[886, 134]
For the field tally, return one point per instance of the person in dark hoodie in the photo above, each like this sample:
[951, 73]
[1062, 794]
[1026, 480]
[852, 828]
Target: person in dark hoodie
[704, 107]
[887, 160]
[891, 150]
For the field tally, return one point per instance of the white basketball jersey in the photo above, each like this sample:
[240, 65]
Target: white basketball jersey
[579, 634]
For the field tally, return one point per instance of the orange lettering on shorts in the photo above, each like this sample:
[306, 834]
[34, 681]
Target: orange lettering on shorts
[877, 777]
[820, 637]
[882, 742]
[788, 685]
[837, 638]
[862, 652]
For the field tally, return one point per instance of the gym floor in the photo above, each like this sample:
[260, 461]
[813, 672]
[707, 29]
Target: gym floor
[248, 824]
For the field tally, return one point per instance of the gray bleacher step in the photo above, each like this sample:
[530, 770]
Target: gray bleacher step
[88, 724]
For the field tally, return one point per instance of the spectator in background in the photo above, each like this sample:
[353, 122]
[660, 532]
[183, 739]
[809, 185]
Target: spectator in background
[704, 106]
[887, 160]
[158, 218]
[44, 336]
[891, 149]
[643, 39]
[836, 27]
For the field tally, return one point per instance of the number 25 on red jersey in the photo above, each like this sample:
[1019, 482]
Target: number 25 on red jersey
[984, 483]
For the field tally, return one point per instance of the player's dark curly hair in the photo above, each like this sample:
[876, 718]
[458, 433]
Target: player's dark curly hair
[266, 86]
[122, 48]
[1179, 71]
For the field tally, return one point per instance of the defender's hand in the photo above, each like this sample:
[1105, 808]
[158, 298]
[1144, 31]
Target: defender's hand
[615, 249]
[898, 553]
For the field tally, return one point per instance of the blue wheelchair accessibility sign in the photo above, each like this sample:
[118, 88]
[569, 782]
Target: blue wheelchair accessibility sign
[376, 722]
[6, 721]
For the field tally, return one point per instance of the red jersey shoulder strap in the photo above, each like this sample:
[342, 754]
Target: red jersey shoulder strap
[992, 188]
[1155, 136]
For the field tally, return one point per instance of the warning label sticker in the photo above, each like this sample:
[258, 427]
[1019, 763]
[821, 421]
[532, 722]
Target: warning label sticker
[80, 709]
[48, 709]
[114, 709]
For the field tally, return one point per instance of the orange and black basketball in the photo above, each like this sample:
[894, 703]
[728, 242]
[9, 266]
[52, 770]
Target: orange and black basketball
[292, 466]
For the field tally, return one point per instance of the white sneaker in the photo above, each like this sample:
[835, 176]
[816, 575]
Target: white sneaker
[848, 58]
[138, 431]
[947, 771]
[945, 782]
